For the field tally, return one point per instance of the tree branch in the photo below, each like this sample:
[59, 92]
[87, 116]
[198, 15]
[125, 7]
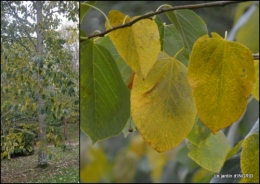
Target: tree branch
[256, 56]
[15, 15]
[21, 43]
[49, 14]
[19, 18]
[163, 10]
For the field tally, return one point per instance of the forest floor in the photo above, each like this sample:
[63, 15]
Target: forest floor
[63, 167]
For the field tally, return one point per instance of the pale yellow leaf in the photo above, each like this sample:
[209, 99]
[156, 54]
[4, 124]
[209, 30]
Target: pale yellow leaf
[250, 158]
[94, 171]
[138, 45]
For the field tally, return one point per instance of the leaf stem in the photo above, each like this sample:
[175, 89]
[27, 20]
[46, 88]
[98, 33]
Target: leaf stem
[125, 19]
[108, 23]
[164, 5]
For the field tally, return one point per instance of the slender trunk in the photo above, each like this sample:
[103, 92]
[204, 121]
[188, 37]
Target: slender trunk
[42, 156]
[65, 129]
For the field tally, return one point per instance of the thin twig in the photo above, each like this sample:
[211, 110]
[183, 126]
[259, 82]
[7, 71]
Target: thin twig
[163, 10]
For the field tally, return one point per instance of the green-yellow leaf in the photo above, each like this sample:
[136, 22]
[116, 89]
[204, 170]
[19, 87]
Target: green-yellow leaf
[250, 158]
[222, 76]
[94, 171]
[198, 133]
[138, 45]
[162, 106]
[255, 91]
[234, 150]
[104, 98]
[211, 153]
[171, 41]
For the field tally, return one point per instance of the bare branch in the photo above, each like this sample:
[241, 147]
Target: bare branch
[163, 10]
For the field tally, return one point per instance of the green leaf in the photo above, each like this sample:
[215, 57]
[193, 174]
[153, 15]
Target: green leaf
[76, 102]
[189, 24]
[82, 33]
[211, 153]
[84, 9]
[124, 69]
[250, 158]
[63, 90]
[171, 41]
[222, 76]
[104, 98]
[162, 106]
[198, 133]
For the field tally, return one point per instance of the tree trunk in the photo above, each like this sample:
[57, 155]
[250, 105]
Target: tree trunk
[42, 156]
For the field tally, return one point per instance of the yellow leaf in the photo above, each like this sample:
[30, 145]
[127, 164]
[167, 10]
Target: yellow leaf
[137, 145]
[34, 106]
[125, 166]
[94, 171]
[250, 158]
[162, 106]
[157, 162]
[255, 91]
[138, 45]
[222, 76]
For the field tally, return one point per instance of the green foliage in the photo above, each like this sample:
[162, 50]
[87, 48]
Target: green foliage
[17, 143]
[182, 83]
[36, 68]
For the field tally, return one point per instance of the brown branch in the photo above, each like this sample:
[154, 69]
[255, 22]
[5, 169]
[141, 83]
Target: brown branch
[256, 56]
[163, 10]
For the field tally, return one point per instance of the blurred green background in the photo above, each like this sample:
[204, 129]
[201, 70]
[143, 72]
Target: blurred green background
[129, 159]
[218, 19]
